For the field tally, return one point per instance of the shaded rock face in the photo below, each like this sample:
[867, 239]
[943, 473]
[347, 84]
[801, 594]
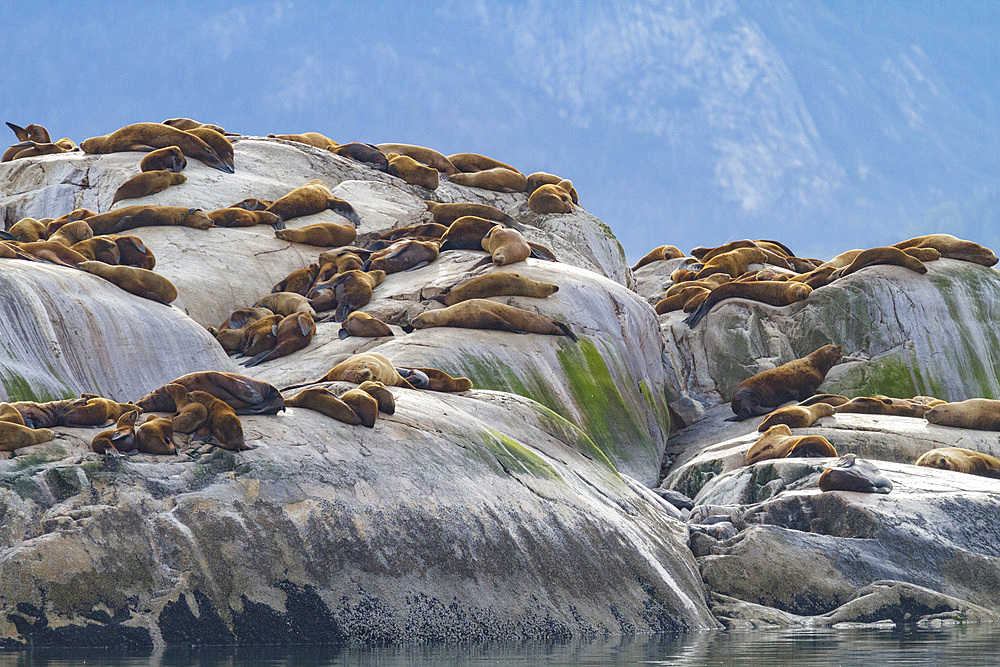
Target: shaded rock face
[505, 514]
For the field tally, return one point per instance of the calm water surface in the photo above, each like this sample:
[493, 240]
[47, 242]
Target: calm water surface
[974, 645]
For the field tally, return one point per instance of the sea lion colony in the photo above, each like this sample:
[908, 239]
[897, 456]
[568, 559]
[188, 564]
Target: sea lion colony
[343, 278]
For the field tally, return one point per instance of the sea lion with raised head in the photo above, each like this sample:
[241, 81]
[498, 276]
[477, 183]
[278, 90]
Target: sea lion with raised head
[792, 381]
[147, 183]
[170, 158]
[141, 282]
[155, 135]
[486, 314]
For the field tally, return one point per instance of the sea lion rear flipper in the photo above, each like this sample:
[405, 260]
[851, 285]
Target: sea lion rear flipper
[342, 312]
[19, 132]
[7, 236]
[280, 224]
[418, 266]
[253, 361]
[537, 254]
[567, 330]
[343, 333]
[407, 328]
[700, 312]
[343, 208]
[483, 262]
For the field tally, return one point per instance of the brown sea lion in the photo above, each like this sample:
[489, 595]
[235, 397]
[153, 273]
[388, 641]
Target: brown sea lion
[141, 282]
[850, 473]
[386, 401]
[313, 197]
[733, 263]
[506, 246]
[100, 249]
[361, 368]
[241, 317]
[498, 179]
[796, 416]
[170, 159]
[51, 251]
[771, 292]
[496, 283]
[119, 439]
[309, 138]
[346, 292]
[779, 443]
[981, 414]
[8, 413]
[222, 146]
[447, 213]
[883, 405]
[552, 199]
[472, 162]
[960, 459]
[952, 248]
[298, 281]
[325, 402]
[147, 183]
[793, 381]
[95, 410]
[28, 230]
[293, 333]
[423, 230]
[363, 405]
[331, 265]
[46, 415]
[252, 204]
[486, 314]
[439, 380]
[819, 277]
[322, 234]
[257, 337]
[155, 436]
[155, 135]
[540, 178]
[222, 422]
[364, 325]
[245, 395]
[15, 436]
[711, 282]
[31, 132]
[133, 252]
[830, 399]
[189, 414]
[187, 124]
[467, 233]
[286, 303]
[924, 254]
[878, 256]
[427, 156]
[130, 217]
[403, 255]
[240, 217]
[664, 252]
[411, 171]
[679, 299]
[366, 153]
[72, 233]
[35, 148]
[72, 216]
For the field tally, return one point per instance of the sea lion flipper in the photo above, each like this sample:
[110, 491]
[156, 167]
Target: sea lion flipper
[343, 333]
[20, 132]
[343, 208]
[700, 312]
[566, 330]
[256, 359]
[7, 236]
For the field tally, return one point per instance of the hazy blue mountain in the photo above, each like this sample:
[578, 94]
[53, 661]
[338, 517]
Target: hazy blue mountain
[828, 125]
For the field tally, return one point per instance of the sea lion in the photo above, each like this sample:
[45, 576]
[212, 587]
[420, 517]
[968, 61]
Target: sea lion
[506, 246]
[425, 230]
[99, 248]
[189, 414]
[257, 337]
[365, 153]
[155, 135]
[779, 443]
[241, 317]
[472, 162]
[664, 252]
[72, 233]
[496, 283]
[403, 255]
[72, 216]
[711, 282]
[364, 325]
[540, 178]
[331, 265]
[28, 230]
[960, 459]
[240, 217]
[876, 256]
[438, 380]
[130, 217]
[498, 179]
[133, 252]
[325, 402]
[35, 149]
[797, 416]
[141, 282]
[346, 292]
[981, 414]
[850, 473]
[222, 146]
[467, 233]
[308, 138]
[51, 251]
[830, 399]
[95, 410]
[322, 234]
[187, 124]
[170, 158]
[386, 401]
[119, 439]
[293, 333]
[286, 303]
[313, 197]
[245, 395]
[927, 254]
[447, 213]
[427, 156]
[363, 405]
[679, 299]
[733, 262]
[771, 292]
[45, 415]
[298, 281]
[15, 436]
[154, 436]
[31, 132]
[411, 171]
[552, 199]
[952, 248]
[147, 183]
[792, 381]
[883, 405]
[486, 314]
[361, 368]
[9, 414]
[222, 422]
[252, 204]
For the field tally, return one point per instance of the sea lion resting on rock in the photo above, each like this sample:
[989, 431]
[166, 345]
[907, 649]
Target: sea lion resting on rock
[447, 213]
[190, 414]
[28, 230]
[363, 325]
[552, 198]
[467, 233]
[506, 246]
[259, 336]
[402, 256]
[15, 436]
[245, 395]
[877, 256]
[486, 314]
[778, 443]
[427, 156]
[155, 436]
[298, 281]
[438, 380]
[308, 138]
[140, 282]
[346, 292]
[133, 252]
[793, 381]
[119, 439]
[156, 135]
[241, 217]
[664, 252]
[72, 233]
[981, 414]
[883, 405]
[473, 163]
[771, 292]
[796, 416]
[540, 178]
[363, 405]
[361, 368]
[100, 249]
[325, 402]
[734, 262]
[222, 423]
[496, 283]
[321, 234]
[130, 217]
[293, 333]
[222, 146]
[411, 171]
[286, 303]
[960, 459]
[498, 179]
[853, 474]
[830, 399]
[147, 183]
[313, 197]
[187, 125]
[50, 251]
[170, 158]
[952, 247]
